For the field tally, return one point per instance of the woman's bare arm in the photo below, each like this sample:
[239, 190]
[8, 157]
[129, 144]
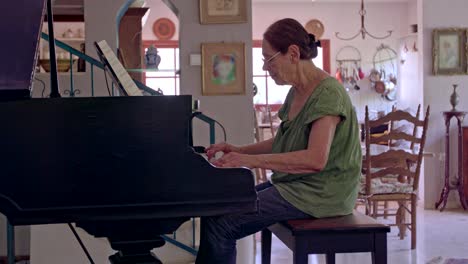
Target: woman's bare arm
[262, 147]
[312, 159]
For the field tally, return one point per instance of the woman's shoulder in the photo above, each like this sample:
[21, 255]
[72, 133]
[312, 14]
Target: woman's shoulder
[330, 83]
[329, 87]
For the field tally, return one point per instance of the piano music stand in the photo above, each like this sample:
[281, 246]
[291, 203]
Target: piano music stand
[108, 69]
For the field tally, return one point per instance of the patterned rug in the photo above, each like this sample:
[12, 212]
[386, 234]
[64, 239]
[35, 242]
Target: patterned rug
[456, 261]
[441, 260]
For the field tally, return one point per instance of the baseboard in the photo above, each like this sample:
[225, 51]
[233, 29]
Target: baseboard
[4, 259]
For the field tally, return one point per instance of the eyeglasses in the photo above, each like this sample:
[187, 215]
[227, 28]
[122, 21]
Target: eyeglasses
[266, 61]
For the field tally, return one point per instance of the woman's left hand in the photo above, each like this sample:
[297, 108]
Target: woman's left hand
[235, 160]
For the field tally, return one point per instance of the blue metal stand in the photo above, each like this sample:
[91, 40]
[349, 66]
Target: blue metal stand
[10, 243]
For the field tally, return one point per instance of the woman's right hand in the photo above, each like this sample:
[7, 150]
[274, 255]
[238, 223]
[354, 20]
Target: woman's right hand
[220, 147]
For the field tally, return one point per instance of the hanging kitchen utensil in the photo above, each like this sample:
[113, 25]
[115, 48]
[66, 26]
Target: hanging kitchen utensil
[361, 73]
[374, 76]
[338, 75]
[379, 87]
[392, 95]
[349, 59]
[384, 75]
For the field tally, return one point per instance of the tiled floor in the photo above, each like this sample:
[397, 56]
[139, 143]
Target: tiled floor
[441, 235]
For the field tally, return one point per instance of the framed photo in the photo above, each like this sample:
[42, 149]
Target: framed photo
[223, 68]
[448, 51]
[223, 11]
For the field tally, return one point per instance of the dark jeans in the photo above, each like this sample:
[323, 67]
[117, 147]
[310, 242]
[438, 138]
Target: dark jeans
[219, 233]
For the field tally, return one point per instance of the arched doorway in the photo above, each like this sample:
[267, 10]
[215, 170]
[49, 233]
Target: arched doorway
[150, 23]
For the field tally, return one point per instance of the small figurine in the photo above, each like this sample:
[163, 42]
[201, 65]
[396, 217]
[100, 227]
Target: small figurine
[152, 59]
[82, 62]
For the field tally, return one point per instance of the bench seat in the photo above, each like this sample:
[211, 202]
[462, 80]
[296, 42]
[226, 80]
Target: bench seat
[345, 234]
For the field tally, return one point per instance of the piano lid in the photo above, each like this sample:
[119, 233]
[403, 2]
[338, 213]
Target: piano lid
[19, 45]
[101, 158]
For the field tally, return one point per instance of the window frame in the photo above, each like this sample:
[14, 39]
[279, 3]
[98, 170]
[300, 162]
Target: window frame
[325, 44]
[174, 44]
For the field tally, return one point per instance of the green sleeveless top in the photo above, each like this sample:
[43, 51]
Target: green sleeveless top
[332, 191]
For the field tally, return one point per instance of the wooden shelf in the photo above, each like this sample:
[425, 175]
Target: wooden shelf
[151, 70]
[67, 18]
[410, 35]
[47, 74]
[71, 39]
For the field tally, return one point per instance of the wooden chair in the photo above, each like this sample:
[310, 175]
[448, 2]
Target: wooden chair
[260, 174]
[392, 126]
[391, 174]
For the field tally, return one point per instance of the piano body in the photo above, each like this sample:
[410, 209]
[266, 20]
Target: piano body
[118, 167]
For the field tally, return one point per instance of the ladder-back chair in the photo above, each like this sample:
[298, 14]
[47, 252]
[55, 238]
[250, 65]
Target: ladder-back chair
[391, 174]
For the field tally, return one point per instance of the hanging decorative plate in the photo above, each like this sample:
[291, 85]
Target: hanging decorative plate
[314, 26]
[164, 28]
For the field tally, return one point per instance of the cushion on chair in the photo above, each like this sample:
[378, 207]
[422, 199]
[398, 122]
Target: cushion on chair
[387, 184]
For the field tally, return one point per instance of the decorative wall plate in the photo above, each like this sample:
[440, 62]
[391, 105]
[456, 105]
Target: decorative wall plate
[164, 28]
[314, 26]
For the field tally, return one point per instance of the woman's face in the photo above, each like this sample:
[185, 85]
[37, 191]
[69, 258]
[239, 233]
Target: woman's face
[274, 63]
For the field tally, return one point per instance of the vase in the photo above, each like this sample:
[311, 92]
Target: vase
[454, 98]
[152, 58]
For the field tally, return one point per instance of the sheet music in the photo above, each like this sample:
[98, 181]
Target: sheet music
[123, 76]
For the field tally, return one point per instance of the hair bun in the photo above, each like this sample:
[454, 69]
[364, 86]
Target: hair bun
[313, 42]
[318, 43]
[312, 37]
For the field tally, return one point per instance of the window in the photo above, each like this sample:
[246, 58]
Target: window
[268, 91]
[166, 77]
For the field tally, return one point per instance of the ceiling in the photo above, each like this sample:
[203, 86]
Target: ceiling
[80, 2]
[71, 7]
[331, 1]
[68, 7]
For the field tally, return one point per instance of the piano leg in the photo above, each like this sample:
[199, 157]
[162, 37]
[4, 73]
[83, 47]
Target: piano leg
[133, 239]
[136, 252]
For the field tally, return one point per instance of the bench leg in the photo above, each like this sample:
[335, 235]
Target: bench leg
[266, 246]
[300, 258]
[300, 255]
[379, 255]
[330, 258]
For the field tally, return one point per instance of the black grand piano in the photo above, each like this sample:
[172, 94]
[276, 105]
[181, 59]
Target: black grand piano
[118, 167]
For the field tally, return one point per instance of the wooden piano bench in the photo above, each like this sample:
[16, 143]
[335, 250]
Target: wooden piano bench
[345, 234]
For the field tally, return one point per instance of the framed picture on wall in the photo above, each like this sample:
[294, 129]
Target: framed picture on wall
[223, 68]
[448, 51]
[223, 11]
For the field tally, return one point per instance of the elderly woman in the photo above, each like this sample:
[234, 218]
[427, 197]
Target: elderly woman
[315, 156]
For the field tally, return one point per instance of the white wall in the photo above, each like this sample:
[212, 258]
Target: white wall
[411, 95]
[158, 9]
[22, 236]
[54, 243]
[344, 18]
[234, 112]
[437, 90]
[46, 239]
[380, 18]
[98, 27]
